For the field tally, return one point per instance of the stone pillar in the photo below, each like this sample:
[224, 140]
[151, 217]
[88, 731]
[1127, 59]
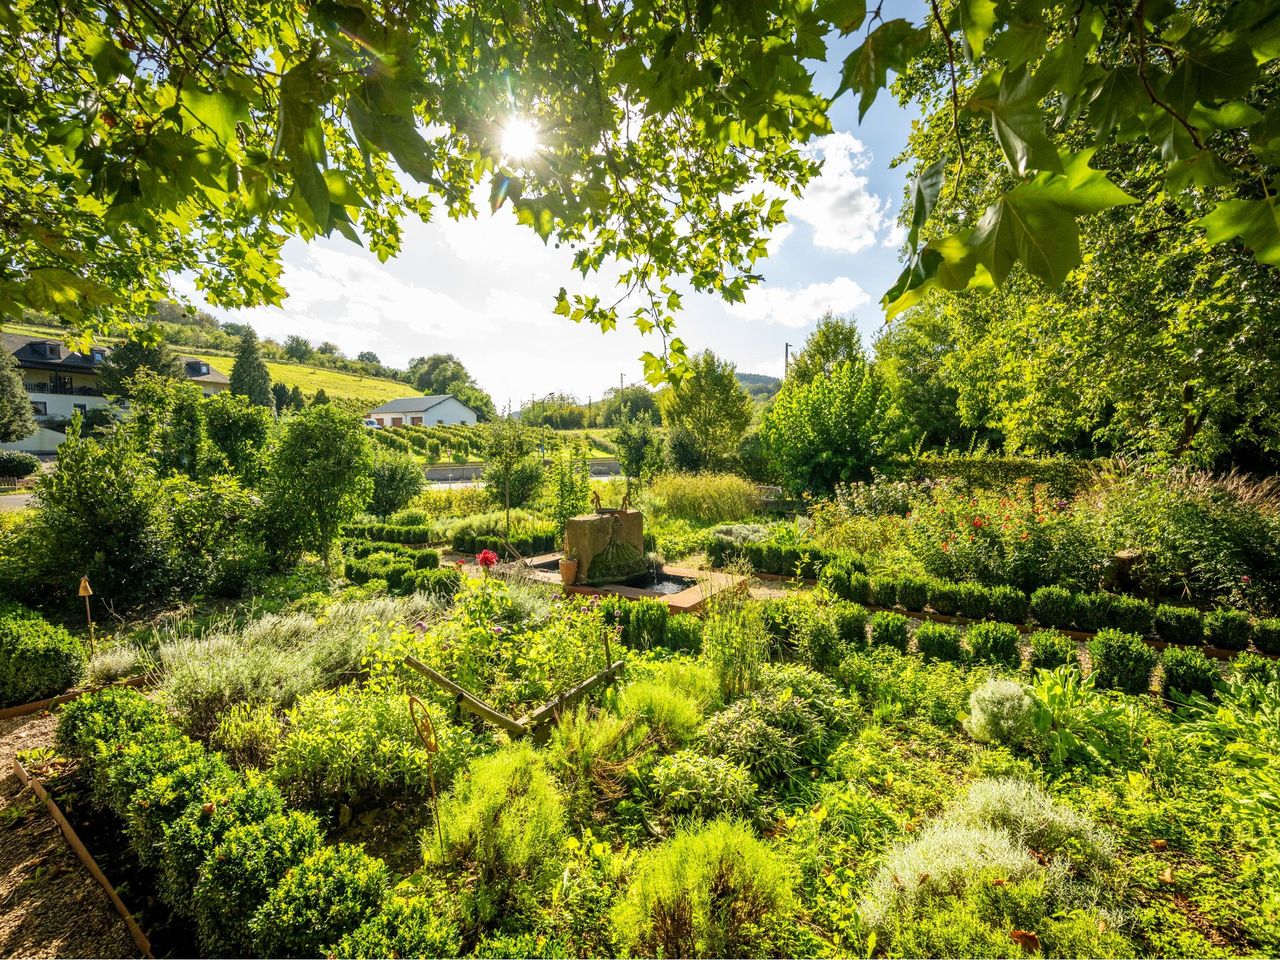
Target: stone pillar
[615, 537]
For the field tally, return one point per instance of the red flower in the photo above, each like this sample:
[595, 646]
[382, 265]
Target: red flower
[977, 521]
[1245, 580]
[487, 558]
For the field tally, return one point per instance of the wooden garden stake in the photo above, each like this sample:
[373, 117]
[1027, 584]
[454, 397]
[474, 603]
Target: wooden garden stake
[427, 734]
[86, 591]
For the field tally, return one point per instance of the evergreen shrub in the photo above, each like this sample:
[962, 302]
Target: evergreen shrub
[1121, 661]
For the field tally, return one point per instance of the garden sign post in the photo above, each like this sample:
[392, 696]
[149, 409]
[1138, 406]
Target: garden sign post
[86, 591]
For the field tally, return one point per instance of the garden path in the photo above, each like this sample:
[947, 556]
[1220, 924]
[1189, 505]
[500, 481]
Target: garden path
[49, 905]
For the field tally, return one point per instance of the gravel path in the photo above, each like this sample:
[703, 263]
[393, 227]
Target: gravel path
[49, 905]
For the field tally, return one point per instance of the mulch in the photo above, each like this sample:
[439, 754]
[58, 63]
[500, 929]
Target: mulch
[49, 904]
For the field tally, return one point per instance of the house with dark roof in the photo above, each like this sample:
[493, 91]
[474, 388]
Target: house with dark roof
[60, 381]
[434, 411]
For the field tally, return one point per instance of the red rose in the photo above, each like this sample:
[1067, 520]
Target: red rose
[487, 558]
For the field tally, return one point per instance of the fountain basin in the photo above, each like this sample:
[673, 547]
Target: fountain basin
[684, 590]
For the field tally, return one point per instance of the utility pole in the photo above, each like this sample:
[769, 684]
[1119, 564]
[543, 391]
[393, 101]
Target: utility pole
[786, 359]
[621, 386]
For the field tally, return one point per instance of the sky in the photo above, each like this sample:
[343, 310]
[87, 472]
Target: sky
[483, 289]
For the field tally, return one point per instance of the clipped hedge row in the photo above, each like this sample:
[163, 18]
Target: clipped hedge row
[419, 534]
[527, 541]
[1052, 607]
[37, 659]
[253, 878]
[1061, 476]
[404, 575]
[780, 559]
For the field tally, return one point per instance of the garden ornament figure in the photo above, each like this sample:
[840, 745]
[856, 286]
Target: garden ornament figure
[427, 734]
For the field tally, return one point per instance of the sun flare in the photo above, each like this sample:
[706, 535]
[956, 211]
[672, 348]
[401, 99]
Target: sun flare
[519, 138]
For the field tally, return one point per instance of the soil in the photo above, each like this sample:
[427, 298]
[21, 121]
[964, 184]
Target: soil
[49, 904]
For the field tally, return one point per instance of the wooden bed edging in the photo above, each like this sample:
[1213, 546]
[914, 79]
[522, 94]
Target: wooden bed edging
[22, 709]
[86, 858]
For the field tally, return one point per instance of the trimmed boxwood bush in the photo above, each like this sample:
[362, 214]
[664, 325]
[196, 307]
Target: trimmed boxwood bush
[1092, 611]
[684, 633]
[1228, 629]
[1050, 649]
[155, 806]
[1121, 661]
[1132, 615]
[973, 600]
[859, 588]
[91, 724]
[1266, 635]
[1253, 668]
[1008, 604]
[994, 643]
[837, 573]
[913, 592]
[16, 464]
[889, 630]
[1187, 671]
[938, 641]
[1053, 606]
[240, 874]
[851, 624]
[884, 591]
[942, 597]
[320, 901]
[1179, 624]
[37, 659]
[441, 584]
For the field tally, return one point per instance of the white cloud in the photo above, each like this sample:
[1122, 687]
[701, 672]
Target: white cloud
[895, 236]
[844, 214]
[803, 306]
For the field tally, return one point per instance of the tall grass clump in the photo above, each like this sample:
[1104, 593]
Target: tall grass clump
[735, 642]
[717, 891]
[703, 499]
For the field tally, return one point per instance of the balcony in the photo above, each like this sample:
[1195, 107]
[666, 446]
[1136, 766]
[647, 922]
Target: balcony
[63, 389]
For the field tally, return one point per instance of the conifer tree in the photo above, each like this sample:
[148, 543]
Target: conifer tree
[249, 376]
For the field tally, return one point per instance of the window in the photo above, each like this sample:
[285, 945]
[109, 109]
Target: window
[441, 422]
[397, 421]
[98, 354]
[415, 421]
[83, 408]
[52, 351]
[40, 408]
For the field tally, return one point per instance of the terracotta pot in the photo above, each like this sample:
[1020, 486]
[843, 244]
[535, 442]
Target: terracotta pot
[568, 571]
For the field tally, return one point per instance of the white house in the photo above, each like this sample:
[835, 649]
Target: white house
[59, 382]
[423, 411]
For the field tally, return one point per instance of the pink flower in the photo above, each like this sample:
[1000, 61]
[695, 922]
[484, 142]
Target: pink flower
[487, 559]
[1245, 580]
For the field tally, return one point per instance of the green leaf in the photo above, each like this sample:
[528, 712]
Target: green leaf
[1255, 223]
[1115, 101]
[845, 15]
[977, 21]
[1012, 98]
[924, 194]
[889, 47]
[301, 139]
[218, 112]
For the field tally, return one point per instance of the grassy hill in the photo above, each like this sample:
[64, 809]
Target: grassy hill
[360, 390]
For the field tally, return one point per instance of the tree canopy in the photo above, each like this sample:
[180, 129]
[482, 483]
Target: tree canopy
[136, 355]
[145, 140]
[249, 375]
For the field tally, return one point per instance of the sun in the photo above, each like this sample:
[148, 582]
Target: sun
[519, 138]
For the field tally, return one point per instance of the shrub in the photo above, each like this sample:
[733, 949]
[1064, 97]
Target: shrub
[734, 642]
[1266, 635]
[995, 643]
[1034, 819]
[1187, 670]
[1179, 624]
[690, 784]
[37, 659]
[1252, 668]
[98, 720]
[321, 900]
[973, 600]
[859, 590]
[1131, 615]
[240, 873]
[590, 754]
[1000, 711]
[672, 715]
[1050, 649]
[133, 765]
[1053, 606]
[684, 633]
[1093, 611]
[1121, 661]
[943, 598]
[710, 892]
[1228, 629]
[16, 464]
[504, 824]
[418, 920]
[889, 630]
[850, 621]
[397, 479]
[440, 584]
[937, 641]
[884, 591]
[836, 574]
[248, 734]
[153, 807]
[361, 740]
[193, 835]
[1008, 604]
[913, 592]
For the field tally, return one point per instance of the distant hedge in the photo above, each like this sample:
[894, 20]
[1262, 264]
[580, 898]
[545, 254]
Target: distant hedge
[14, 464]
